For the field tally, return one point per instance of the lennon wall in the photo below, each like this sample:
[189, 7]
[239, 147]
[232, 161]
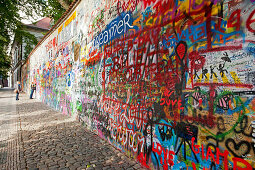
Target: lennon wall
[170, 83]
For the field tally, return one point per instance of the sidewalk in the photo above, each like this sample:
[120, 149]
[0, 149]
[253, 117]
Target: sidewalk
[9, 147]
[40, 137]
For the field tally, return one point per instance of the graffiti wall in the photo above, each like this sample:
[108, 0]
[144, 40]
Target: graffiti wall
[170, 83]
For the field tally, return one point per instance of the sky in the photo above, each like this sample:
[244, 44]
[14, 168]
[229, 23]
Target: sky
[29, 20]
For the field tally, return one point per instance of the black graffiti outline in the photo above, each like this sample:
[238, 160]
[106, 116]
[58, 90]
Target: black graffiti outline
[242, 128]
[237, 147]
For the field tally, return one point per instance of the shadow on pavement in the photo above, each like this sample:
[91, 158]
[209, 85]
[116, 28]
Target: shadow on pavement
[67, 145]
[47, 139]
[6, 97]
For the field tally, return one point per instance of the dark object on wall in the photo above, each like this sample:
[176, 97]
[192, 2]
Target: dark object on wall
[186, 131]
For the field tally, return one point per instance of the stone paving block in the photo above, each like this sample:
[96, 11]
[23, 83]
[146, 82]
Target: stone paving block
[53, 167]
[81, 168]
[43, 167]
[130, 168]
[66, 144]
[106, 167]
[137, 166]
[52, 164]
[63, 166]
[99, 167]
[32, 166]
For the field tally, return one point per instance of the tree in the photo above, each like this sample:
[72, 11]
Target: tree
[10, 23]
[64, 3]
[9, 18]
[55, 8]
[22, 36]
[5, 65]
[46, 8]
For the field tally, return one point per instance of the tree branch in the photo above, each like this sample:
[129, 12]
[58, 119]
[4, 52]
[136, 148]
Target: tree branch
[64, 4]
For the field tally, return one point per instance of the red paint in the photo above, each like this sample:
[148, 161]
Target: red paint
[142, 159]
[209, 153]
[200, 101]
[240, 160]
[168, 155]
[224, 155]
[130, 5]
[147, 3]
[234, 20]
[173, 102]
[193, 165]
[181, 50]
[225, 85]
[196, 150]
[93, 60]
[250, 21]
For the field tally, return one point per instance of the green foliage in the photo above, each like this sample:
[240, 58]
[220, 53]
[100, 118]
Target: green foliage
[8, 20]
[45, 8]
[10, 23]
[53, 10]
[22, 36]
[5, 63]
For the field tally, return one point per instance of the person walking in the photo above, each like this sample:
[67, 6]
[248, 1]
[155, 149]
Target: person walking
[33, 88]
[18, 90]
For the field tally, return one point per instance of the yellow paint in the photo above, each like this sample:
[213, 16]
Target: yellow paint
[235, 77]
[60, 29]
[47, 64]
[215, 11]
[165, 57]
[70, 19]
[149, 21]
[229, 30]
[200, 78]
[155, 20]
[189, 81]
[184, 5]
[84, 52]
[137, 23]
[225, 79]
[207, 79]
[215, 79]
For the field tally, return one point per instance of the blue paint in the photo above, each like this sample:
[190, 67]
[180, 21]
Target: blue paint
[193, 33]
[239, 108]
[147, 12]
[251, 49]
[225, 36]
[116, 28]
[170, 43]
[169, 142]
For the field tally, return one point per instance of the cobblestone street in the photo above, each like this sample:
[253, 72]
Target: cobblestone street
[36, 136]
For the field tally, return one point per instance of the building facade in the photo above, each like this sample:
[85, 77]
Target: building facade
[39, 29]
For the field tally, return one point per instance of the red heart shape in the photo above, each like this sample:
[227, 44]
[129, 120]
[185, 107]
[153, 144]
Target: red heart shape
[181, 50]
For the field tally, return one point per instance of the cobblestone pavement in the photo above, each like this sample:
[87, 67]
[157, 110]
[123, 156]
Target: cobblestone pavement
[9, 147]
[40, 137]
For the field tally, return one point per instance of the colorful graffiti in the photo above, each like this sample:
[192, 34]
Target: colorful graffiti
[170, 83]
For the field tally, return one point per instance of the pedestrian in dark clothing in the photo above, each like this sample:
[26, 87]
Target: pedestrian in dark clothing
[33, 88]
[18, 90]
